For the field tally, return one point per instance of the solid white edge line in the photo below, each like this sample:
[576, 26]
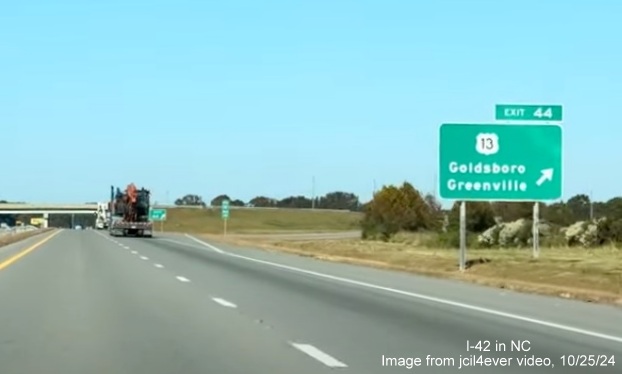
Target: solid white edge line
[224, 302]
[159, 266]
[215, 249]
[320, 356]
[182, 279]
[456, 304]
[179, 243]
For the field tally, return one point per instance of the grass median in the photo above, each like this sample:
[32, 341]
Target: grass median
[257, 220]
[593, 275]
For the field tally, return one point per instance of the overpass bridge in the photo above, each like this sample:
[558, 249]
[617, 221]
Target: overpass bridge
[46, 209]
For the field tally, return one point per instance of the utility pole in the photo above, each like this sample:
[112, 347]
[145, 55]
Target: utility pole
[313, 192]
[374, 192]
[435, 199]
[167, 200]
[591, 206]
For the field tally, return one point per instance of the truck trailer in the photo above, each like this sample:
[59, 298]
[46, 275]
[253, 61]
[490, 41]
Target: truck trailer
[130, 212]
[102, 216]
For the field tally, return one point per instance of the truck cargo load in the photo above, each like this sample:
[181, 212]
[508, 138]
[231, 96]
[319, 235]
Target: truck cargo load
[130, 212]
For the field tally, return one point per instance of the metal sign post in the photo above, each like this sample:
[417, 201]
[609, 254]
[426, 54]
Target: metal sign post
[224, 212]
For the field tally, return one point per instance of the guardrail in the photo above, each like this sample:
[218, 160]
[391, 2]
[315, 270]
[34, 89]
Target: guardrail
[17, 230]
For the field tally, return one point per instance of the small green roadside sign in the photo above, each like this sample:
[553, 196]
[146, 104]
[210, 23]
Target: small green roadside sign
[157, 214]
[224, 209]
[500, 162]
[518, 112]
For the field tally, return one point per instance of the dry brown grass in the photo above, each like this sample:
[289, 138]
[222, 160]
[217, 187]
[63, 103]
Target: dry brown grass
[247, 221]
[591, 275]
[14, 238]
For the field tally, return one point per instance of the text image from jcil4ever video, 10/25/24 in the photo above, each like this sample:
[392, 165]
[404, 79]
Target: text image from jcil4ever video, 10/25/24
[499, 355]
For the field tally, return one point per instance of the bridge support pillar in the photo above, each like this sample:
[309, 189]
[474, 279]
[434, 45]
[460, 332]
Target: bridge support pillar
[44, 224]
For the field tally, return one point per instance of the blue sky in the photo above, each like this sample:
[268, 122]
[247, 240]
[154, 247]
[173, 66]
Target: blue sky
[258, 97]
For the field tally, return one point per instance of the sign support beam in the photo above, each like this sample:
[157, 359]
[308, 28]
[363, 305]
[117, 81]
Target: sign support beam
[536, 230]
[463, 235]
[224, 212]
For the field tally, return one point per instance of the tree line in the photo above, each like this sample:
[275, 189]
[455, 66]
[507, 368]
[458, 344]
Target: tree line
[333, 200]
[404, 208]
[576, 221]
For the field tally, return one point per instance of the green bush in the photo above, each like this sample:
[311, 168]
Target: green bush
[449, 239]
[396, 209]
[479, 216]
[525, 234]
[553, 240]
[403, 208]
[609, 231]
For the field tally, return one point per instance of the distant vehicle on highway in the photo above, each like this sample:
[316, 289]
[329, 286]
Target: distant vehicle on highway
[130, 212]
[78, 227]
[102, 216]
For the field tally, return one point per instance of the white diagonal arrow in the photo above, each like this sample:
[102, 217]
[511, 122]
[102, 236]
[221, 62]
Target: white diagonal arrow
[547, 175]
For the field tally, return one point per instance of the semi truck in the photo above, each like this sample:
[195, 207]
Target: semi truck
[130, 212]
[102, 216]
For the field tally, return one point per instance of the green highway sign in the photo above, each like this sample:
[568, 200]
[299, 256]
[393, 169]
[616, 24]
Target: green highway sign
[500, 162]
[157, 214]
[224, 209]
[518, 112]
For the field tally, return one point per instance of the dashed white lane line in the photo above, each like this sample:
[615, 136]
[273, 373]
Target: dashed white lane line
[144, 257]
[125, 246]
[134, 252]
[182, 279]
[438, 300]
[224, 302]
[320, 356]
[159, 266]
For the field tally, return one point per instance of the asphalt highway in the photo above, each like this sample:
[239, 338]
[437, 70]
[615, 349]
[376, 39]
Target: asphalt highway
[83, 302]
